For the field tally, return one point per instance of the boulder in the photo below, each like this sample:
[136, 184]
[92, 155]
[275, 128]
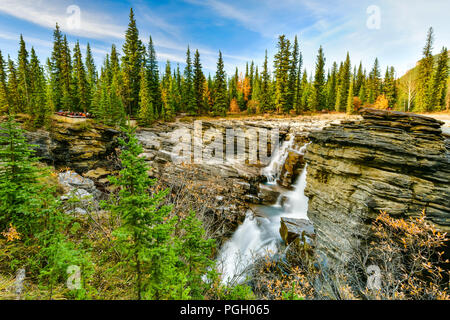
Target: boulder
[291, 229]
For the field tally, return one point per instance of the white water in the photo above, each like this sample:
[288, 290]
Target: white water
[259, 236]
[272, 171]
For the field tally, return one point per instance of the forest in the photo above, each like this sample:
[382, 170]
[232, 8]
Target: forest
[132, 84]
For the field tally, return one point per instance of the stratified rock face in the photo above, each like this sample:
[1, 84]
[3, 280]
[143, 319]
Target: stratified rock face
[391, 161]
[81, 146]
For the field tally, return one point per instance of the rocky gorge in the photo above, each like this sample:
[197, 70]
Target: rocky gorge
[356, 166]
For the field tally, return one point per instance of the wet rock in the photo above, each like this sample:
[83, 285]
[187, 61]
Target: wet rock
[268, 194]
[291, 229]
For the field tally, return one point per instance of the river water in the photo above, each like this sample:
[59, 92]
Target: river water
[259, 236]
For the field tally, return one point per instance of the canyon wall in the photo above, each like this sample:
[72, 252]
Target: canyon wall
[390, 161]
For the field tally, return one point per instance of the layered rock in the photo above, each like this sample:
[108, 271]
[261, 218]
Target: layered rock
[81, 146]
[390, 161]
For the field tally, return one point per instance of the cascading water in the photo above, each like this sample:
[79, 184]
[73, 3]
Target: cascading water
[272, 171]
[258, 236]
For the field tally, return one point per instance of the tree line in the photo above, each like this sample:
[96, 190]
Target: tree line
[131, 84]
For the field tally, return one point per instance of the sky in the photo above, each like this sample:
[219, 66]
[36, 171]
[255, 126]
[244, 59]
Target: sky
[392, 30]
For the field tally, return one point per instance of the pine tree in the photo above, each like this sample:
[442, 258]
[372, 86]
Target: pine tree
[152, 71]
[331, 87]
[145, 234]
[198, 81]
[350, 108]
[282, 64]
[389, 89]
[220, 101]
[13, 84]
[18, 177]
[188, 91]
[146, 113]
[439, 82]
[374, 83]
[293, 74]
[319, 94]
[56, 69]
[82, 93]
[424, 94]
[91, 74]
[132, 61]
[23, 77]
[40, 110]
[4, 105]
[359, 78]
[67, 99]
[344, 84]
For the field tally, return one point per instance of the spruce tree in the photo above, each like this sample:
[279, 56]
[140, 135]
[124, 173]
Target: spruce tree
[91, 74]
[282, 64]
[188, 90]
[199, 79]
[56, 68]
[374, 83]
[13, 84]
[132, 61]
[67, 100]
[145, 234]
[23, 78]
[331, 87]
[82, 93]
[4, 105]
[152, 71]
[319, 94]
[220, 101]
[146, 113]
[39, 107]
[293, 74]
[439, 82]
[424, 94]
[350, 108]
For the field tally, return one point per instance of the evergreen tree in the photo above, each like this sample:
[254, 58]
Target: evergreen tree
[220, 101]
[146, 113]
[132, 61]
[145, 234]
[331, 87]
[282, 65]
[424, 94]
[188, 91]
[91, 73]
[23, 77]
[389, 87]
[319, 94]
[374, 83]
[198, 81]
[40, 110]
[293, 74]
[82, 93]
[439, 83]
[4, 105]
[67, 100]
[359, 80]
[350, 108]
[13, 84]
[18, 177]
[344, 84]
[56, 69]
[152, 71]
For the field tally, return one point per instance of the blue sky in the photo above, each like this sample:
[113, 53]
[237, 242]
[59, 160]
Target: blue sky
[242, 30]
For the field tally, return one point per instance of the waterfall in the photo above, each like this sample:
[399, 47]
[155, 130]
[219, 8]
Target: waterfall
[258, 236]
[273, 170]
